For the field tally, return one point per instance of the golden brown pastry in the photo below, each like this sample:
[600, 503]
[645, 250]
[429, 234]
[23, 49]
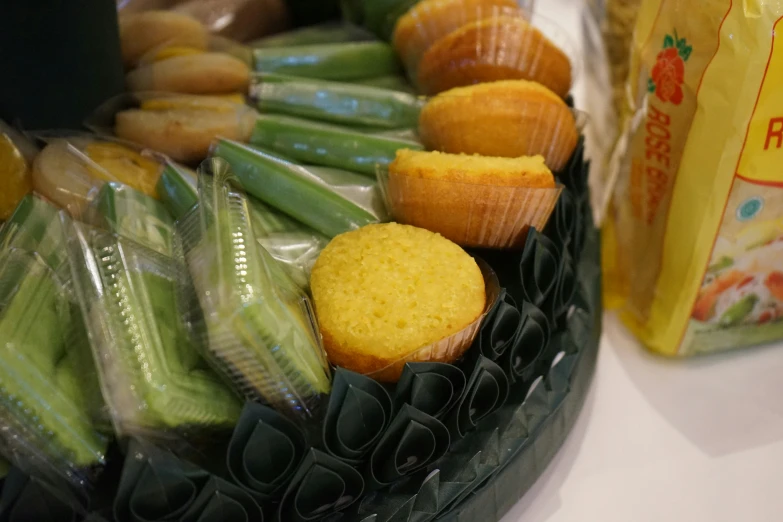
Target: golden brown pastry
[205, 73]
[514, 118]
[430, 20]
[475, 201]
[184, 128]
[384, 291]
[143, 32]
[491, 49]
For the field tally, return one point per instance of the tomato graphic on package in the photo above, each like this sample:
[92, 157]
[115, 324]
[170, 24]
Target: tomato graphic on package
[668, 73]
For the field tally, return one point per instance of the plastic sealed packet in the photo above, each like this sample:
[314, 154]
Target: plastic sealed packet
[328, 32]
[327, 145]
[292, 244]
[346, 61]
[181, 126]
[259, 328]
[16, 157]
[492, 43]
[72, 167]
[241, 20]
[695, 222]
[330, 201]
[154, 380]
[449, 348]
[49, 400]
[336, 102]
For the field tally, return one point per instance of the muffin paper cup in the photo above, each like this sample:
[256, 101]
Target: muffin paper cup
[506, 126]
[492, 46]
[471, 215]
[449, 348]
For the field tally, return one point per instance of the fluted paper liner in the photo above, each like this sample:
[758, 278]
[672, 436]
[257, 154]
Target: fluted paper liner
[430, 387]
[156, 486]
[323, 486]
[264, 452]
[449, 348]
[471, 215]
[499, 44]
[359, 412]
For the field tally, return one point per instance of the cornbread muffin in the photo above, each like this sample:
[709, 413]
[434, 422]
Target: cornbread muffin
[184, 134]
[475, 201]
[205, 73]
[517, 118]
[430, 20]
[142, 32]
[384, 291]
[496, 48]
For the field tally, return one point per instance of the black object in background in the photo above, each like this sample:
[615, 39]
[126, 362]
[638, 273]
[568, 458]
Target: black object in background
[311, 12]
[59, 59]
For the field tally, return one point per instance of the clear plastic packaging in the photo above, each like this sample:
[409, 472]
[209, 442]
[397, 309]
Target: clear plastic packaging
[292, 244]
[258, 326]
[16, 157]
[241, 20]
[48, 392]
[452, 347]
[517, 118]
[471, 215]
[329, 200]
[153, 378]
[71, 168]
[498, 44]
[181, 126]
[335, 102]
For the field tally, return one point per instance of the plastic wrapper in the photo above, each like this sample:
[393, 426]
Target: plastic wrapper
[327, 145]
[449, 348]
[341, 103]
[16, 157]
[330, 201]
[241, 20]
[292, 244]
[695, 225]
[326, 33]
[153, 378]
[258, 328]
[71, 169]
[181, 126]
[48, 397]
[515, 120]
[499, 44]
[346, 61]
[471, 215]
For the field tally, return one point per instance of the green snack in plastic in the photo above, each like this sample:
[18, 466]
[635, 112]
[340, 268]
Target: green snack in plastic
[394, 83]
[738, 311]
[177, 189]
[316, 34]
[327, 145]
[136, 216]
[152, 374]
[328, 200]
[342, 103]
[48, 393]
[292, 244]
[259, 329]
[339, 61]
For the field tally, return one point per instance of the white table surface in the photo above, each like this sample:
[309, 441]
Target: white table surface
[663, 440]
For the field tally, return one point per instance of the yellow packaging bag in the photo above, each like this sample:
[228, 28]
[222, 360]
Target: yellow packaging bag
[694, 238]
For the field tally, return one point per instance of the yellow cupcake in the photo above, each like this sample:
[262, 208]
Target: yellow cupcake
[384, 291]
